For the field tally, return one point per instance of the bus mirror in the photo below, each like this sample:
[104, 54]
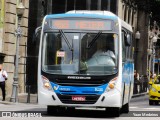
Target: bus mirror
[36, 35]
[128, 40]
[38, 30]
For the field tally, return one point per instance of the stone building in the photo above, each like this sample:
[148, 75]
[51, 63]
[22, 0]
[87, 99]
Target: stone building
[136, 13]
[8, 25]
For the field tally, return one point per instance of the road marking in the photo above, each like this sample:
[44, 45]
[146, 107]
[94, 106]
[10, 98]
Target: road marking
[133, 107]
[150, 108]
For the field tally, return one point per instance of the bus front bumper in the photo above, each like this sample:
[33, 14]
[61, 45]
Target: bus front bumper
[107, 99]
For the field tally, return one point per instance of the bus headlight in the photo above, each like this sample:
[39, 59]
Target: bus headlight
[111, 84]
[46, 83]
[153, 89]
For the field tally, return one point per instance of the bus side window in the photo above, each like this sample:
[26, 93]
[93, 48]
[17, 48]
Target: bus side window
[129, 48]
[127, 53]
[123, 48]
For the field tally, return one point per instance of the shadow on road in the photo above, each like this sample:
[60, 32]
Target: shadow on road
[77, 113]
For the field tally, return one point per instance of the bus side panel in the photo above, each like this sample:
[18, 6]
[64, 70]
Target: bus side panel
[127, 79]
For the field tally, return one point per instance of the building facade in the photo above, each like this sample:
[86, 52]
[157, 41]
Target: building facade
[136, 13]
[8, 25]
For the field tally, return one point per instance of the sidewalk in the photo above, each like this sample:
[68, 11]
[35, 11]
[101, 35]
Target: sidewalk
[22, 98]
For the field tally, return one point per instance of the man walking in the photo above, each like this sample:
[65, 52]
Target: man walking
[3, 78]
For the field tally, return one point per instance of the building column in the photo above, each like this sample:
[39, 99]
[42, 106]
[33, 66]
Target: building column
[109, 5]
[131, 14]
[49, 6]
[99, 5]
[88, 5]
[142, 27]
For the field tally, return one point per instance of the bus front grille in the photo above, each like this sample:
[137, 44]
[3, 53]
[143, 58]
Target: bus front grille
[80, 82]
[89, 99]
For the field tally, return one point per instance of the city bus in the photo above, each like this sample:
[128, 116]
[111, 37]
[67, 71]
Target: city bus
[85, 60]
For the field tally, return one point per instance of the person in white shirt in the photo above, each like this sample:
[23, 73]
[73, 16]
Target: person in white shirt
[3, 78]
[108, 53]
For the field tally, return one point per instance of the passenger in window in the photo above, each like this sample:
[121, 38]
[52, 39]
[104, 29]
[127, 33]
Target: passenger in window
[105, 50]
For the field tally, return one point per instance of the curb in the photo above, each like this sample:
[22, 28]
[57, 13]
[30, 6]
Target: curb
[140, 94]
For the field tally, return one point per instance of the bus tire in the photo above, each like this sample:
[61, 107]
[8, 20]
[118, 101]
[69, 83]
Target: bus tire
[51, 110]
[116, 112]
[55, 110]
[113, 112]
[70, 109]
[125, 108]
[151, 102]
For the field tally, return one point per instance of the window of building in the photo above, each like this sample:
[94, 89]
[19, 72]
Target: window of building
[132, 18]
[129, 15]
[94, 4]
[80, 4]
[58, 6]
[104, 4]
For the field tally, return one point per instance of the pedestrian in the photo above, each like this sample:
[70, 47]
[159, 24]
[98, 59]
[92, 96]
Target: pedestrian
[145, 83]
[136, 82]
[3, 78]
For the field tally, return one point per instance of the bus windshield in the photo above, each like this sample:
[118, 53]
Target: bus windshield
[73, 53]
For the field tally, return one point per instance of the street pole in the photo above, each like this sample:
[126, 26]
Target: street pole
[14, 96]
[137, 37]
[154, 40]
[153, 59]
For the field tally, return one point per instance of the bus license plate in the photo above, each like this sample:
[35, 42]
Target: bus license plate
[78, 98]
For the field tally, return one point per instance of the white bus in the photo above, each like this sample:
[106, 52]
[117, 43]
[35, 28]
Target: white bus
[85, 60]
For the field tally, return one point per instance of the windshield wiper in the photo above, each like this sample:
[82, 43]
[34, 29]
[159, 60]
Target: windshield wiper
[66, 40]
[94, 39]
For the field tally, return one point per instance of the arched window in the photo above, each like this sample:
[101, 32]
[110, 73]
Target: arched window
[125, 13]
[129, 15]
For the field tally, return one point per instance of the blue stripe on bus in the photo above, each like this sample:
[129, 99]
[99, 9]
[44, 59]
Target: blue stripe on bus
[78, 89]
[82, 16]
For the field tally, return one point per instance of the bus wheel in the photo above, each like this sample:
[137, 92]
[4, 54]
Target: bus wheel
[55, 110]
[151, 102]
[113, 112]
[52, 110]
[70, 109]
[117, 112]
[125, 108]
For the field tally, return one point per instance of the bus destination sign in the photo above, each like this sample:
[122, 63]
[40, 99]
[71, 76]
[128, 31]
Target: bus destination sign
[82, 24]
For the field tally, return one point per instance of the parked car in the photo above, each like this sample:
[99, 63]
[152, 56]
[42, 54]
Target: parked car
[154, 91]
